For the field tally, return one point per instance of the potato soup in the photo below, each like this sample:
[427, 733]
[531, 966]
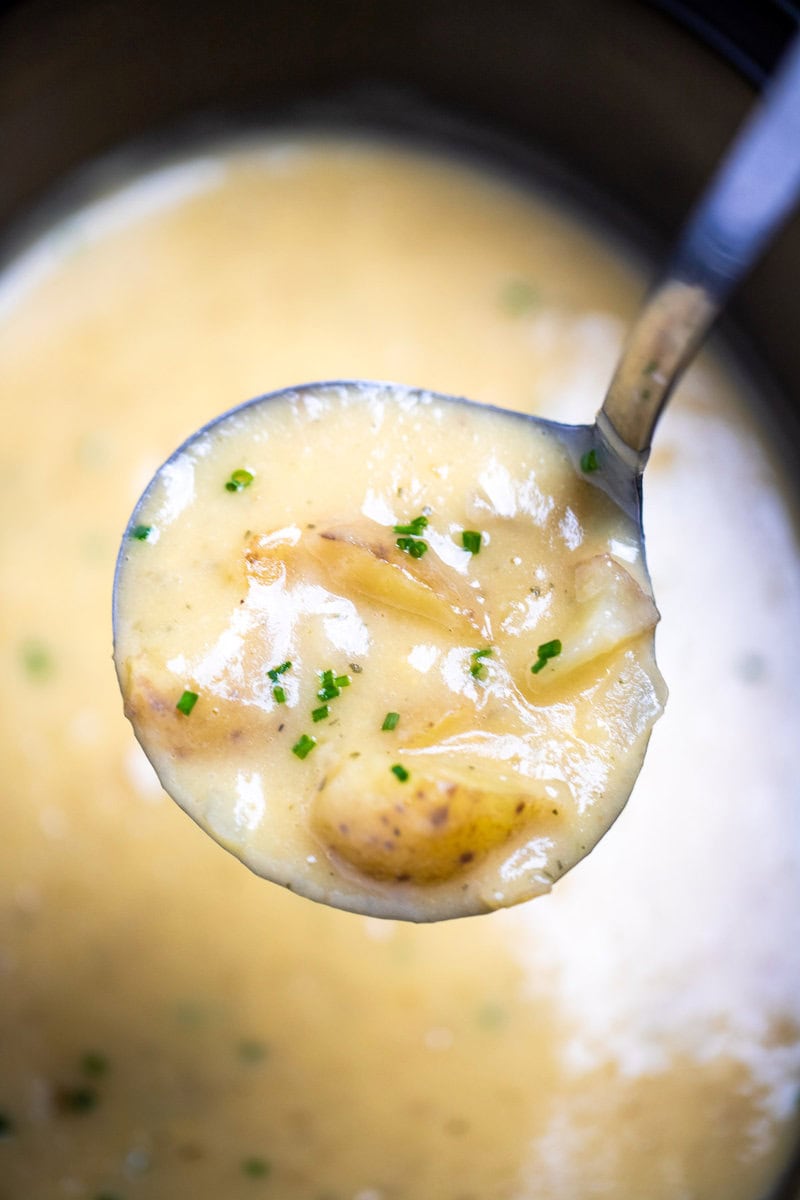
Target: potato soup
[173, 1026]
[384, 718]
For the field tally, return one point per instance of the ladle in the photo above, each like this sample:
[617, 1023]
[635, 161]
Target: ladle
[751, 194]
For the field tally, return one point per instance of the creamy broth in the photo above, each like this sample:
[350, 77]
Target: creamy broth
[173, 1026]
[385, 719]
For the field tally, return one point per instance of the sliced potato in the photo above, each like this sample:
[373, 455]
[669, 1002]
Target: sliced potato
[423, 829]
[364, 560]
[609, 610]
[214, 726]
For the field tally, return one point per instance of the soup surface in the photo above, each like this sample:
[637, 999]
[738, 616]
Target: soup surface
[462, 756]
[171, 1025]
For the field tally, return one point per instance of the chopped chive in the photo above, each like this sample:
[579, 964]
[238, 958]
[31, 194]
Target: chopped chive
[141, 532]
[278, 695]
[255, 1168]
[319, 714]
[545, 652]
[304, 746]
[342, 681]
[187, 702]
[239, 480]
[400, 772]
[518, 297]
[252, 1051]
[37, 660]
[412, 546]
[94, 1064]
[471, 540]
[414, 527]
[589, 461]
[80, 1099]
[477, 669]
[390, 721]
[275, 672]
[330, 688]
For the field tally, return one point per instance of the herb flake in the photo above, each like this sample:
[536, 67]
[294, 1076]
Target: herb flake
[414, 527]
[519, 297]
[471, 540]
[477, 668]
[256, 1168]
[141, 533]
[413, 546]
[187, 702]
[390, 721]
[303, 747]
[80, 1099]
[239, 480]
[94, 1064]
[589, 461]
[275, 673]
[37, 660]
[544, 653]
[399, 772]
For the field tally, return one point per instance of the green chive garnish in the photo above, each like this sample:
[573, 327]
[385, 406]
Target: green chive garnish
[304, 746]
[187, 702]
[400, 772]
[546, 651]
[390, 721]
[94, 1064]
[275, 672]
[414, 527]
[471, 540]
[37, 660]
[319, 714]
[477, 669]
[141, 532]
[278, 695]
[252, 1051]
[412, 546]
[255, 1168]
[342, 681]
[589, 461]
[80, 1099]
[329, 689]
[239, 480]
[518, 297]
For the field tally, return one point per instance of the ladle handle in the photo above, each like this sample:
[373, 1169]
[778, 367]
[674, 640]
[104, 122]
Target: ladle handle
[751, 194]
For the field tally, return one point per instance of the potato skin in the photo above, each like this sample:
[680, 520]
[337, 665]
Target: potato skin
[215, 725]
[421, 831]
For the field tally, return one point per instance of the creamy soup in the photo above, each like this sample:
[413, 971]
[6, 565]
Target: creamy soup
[463, 757]
[172, 1026]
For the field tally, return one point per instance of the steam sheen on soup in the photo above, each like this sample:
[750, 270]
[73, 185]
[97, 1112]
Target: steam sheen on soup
[172, 1026]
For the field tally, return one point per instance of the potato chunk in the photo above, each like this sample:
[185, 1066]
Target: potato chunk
[367, 562]
[421, 830]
